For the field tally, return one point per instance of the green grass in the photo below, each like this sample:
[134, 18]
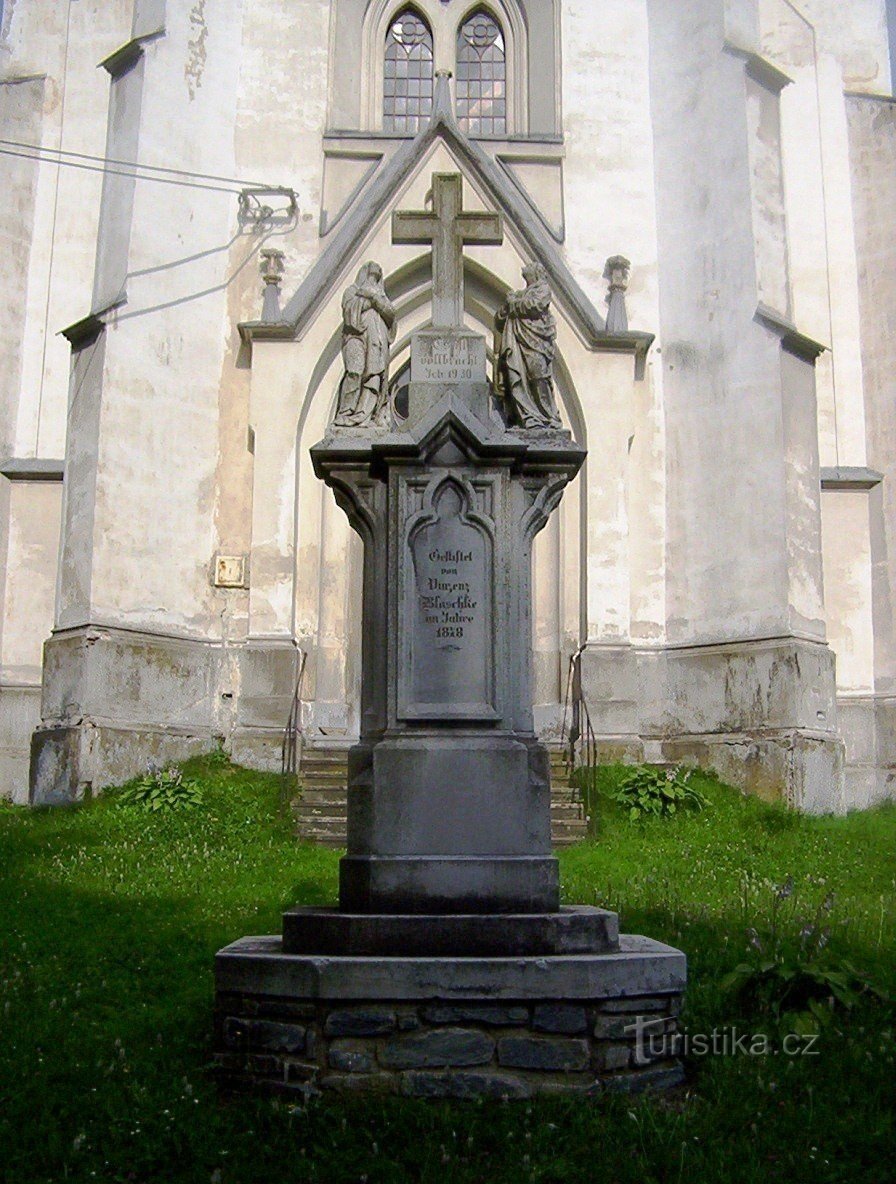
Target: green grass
[110, 918]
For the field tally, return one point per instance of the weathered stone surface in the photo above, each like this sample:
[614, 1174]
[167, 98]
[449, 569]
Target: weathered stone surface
[563, 1084]
[557, 1017]
[257, 965]
[642, 1003]
[359, 1022]
[300, 1072]
[278, 1009]
[623, 1026]
[541, 1052]
[353, 1083]
[444, 1046]
[463, 1085]
[656, 1077]
[350, 1056]
[614, 1056]
[263, 1035]
[578, 929]
[491, 1016]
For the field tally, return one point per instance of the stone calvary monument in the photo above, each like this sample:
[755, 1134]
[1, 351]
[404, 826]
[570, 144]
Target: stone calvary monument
[449, 967]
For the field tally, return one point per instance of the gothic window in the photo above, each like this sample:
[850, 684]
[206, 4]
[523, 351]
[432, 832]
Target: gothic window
[408, 74]
[481, 76]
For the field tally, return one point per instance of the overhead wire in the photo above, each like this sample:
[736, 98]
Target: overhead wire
[130, 172]
[129, 168]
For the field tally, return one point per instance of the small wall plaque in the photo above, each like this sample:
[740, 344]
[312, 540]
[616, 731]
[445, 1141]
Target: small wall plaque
[452, 357]
[230, 571]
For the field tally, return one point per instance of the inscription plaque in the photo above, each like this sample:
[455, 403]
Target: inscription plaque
[449, 357]
[449, 617]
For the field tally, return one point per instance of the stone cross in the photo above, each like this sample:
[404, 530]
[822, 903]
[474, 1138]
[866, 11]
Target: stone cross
[448, 227]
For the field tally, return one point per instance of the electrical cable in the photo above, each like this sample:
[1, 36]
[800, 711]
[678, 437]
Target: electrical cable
[133, 164]
[134, 176]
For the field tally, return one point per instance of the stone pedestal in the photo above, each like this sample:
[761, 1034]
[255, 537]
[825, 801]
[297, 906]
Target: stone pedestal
[449, 790]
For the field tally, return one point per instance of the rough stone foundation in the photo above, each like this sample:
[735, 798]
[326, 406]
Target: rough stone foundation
[463, 1049]
[275, 1032]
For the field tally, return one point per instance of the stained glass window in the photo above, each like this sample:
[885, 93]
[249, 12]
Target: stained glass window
[481, 77]
[407, 81]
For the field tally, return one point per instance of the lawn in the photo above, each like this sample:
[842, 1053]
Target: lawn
[110, 917]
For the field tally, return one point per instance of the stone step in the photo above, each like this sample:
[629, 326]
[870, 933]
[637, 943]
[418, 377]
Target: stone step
[566, 812]
[324, 828]
[331, 828]
[310, 815]
[325, 774]
[323, 798]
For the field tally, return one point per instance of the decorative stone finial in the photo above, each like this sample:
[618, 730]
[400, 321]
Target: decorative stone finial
[271, 267]
[441, 100]
[616, 271]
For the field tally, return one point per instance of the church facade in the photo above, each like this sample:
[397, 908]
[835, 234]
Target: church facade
[708, 189]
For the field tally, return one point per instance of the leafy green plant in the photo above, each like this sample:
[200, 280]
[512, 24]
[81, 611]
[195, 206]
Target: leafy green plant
[162, 789]
[218, 759]
[651, 792]
[796, 981]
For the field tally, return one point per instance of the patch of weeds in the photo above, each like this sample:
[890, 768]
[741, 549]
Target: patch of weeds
[162, 789]
[651, 792]
[795, 980]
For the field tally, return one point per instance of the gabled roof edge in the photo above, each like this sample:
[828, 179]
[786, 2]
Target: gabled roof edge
[373, 202]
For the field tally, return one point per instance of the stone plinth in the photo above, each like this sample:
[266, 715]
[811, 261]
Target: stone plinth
[578, 929]
[448, 1027]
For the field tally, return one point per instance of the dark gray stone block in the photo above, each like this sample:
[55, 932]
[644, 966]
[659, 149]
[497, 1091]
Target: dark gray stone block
[435, 884]
[578, 929]
[657, 1077]
[446, 1046]
[565, 1019]
[541, 1052]
[349, 1056]
[258, 966]
[463, 1085]
[495, 1017]
[353, 1083]
[614, 1056]
[263, 1035]
[359, 1022]
[639, 1005]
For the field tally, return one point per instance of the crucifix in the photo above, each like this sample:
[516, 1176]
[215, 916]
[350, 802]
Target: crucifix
[448, 227]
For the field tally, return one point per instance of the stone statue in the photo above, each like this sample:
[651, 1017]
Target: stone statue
[368, 326]
[528, 332]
